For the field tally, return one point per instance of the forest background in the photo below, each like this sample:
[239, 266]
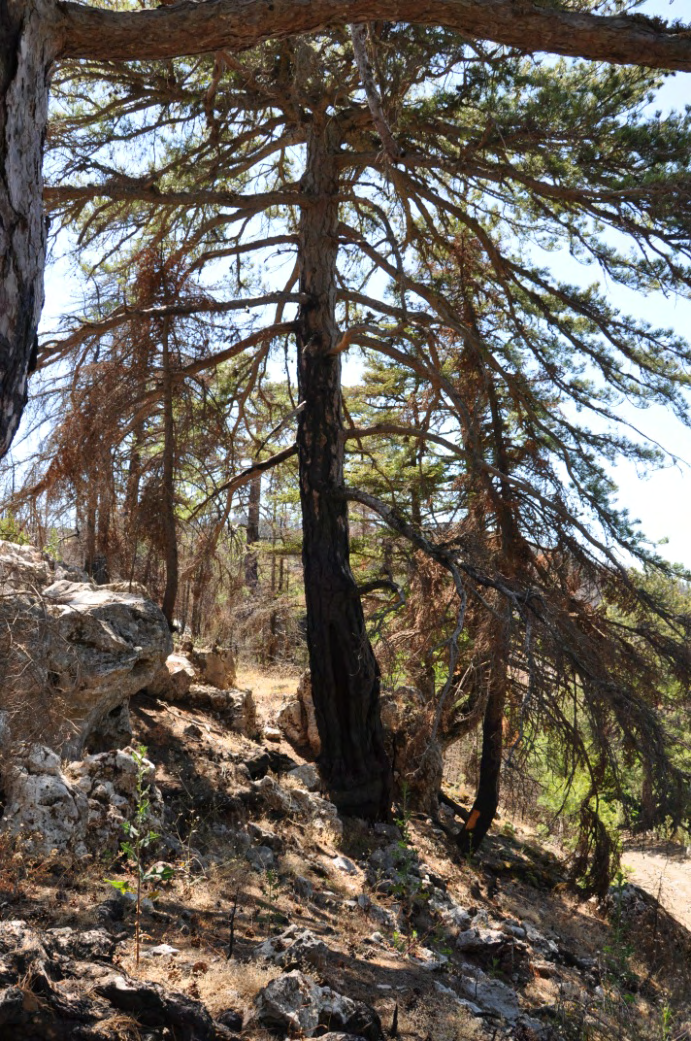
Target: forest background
[563, 643]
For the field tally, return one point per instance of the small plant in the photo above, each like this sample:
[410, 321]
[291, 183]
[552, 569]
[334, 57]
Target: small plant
[666, 1017]
[139, 837]
[271, 884]
[405, 944]
[403, 822]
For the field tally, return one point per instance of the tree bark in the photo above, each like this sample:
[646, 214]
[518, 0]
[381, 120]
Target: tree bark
[25, 56]
[345, 675]
[486, 801]
[194, 28]
[168, 504]
[251, 557]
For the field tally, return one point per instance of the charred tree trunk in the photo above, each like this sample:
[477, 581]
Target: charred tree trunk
[251, 558]
[486, 802]
[25, 57]
[344, 671]
[168, 504]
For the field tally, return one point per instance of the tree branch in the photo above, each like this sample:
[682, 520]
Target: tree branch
[245, 476]
[199, 28]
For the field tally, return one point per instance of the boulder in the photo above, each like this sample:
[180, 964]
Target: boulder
[71, 654]
[306, 775]
[215, 665]
[235, 707]
[298, 721]
[295, 1004]
[298, 803]
[294, 947]
[78, 809]
[174, 679]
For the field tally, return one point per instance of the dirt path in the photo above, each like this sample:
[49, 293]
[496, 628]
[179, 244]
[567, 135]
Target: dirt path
[664, 871]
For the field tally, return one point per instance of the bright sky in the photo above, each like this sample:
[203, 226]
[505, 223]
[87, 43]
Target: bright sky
[661, 500]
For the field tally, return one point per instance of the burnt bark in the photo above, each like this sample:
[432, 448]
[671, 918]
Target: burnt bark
[168, 488]
[25, 56]
[253, 514]
[486, 802]
[344, 672]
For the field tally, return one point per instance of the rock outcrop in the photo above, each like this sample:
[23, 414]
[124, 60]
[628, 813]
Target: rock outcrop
[71, 654]
[62, 984]
[298, 721]
[79, 808]
[295, 1004]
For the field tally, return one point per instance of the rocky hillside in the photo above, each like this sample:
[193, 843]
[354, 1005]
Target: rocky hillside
[263, 915]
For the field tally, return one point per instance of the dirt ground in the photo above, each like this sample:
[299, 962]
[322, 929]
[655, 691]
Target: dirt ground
[664, 871]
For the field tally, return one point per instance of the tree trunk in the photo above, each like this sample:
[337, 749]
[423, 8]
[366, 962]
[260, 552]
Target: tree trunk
[25, 58]
[486, 802]
[168, 504]
[251, 558]
[345, 675]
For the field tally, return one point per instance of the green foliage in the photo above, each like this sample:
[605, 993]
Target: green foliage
[139, 838]
[11, 531]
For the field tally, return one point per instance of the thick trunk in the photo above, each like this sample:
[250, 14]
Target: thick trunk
[24, 62]
[345, 674]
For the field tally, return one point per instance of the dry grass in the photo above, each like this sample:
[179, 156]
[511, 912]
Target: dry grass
[271, 687]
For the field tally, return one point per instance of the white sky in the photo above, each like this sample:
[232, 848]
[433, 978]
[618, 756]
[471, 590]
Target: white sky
[662, 499]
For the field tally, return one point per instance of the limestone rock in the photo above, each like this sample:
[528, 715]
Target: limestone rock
[174, 679]
[261, 858]
[298, 721]
[215, 665]
[296, 802]
[22, 567]
[307, 775]
[294, 947]
[493, 997]
[79, 808]
[294, 1003]
[236, 707]
[79, 990]
[71, 654]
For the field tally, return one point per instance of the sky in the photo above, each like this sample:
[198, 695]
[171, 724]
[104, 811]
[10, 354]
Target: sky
[660, 500]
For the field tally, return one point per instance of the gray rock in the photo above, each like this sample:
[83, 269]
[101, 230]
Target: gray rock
[345, 865]
[216, 666]
[295, 802]
[307, 775]
[84, 651]
[261, 858]
[303, 887]
[265, 836]
[492, 996]
[77, 809]
[163, 950]
[89, 945]
[235, 707]
[174, 679]
[428, 959]
[294, 1003]
[294, 947]
[298, 721]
